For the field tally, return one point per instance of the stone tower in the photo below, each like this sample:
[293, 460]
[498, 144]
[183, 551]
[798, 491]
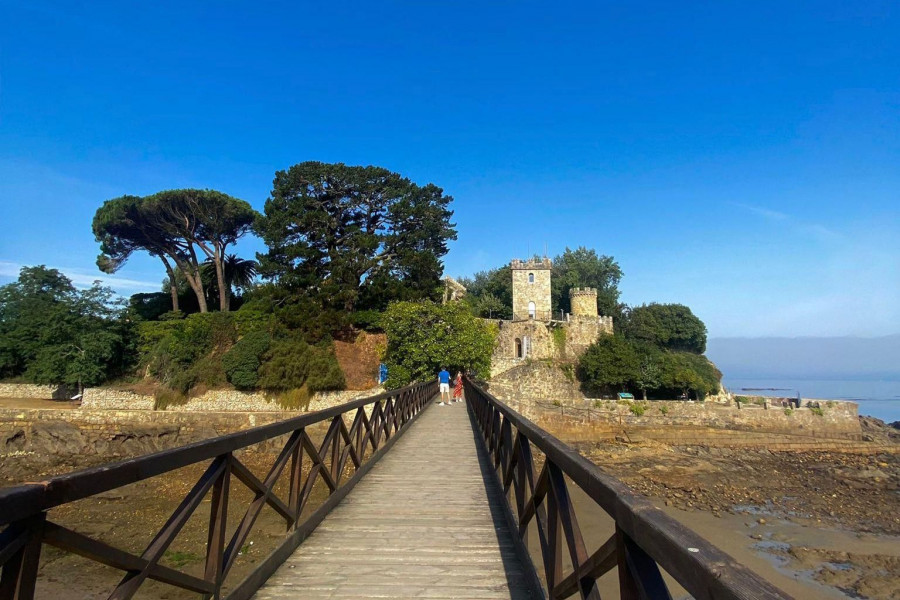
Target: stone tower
[531, 289]
[584, 302]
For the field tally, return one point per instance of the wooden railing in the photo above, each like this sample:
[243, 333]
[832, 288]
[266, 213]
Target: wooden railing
[535, 470]
[351, 451]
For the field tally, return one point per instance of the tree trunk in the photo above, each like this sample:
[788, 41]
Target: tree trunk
[173, 287]
[224, 290]
[192, 274]
[645, 394]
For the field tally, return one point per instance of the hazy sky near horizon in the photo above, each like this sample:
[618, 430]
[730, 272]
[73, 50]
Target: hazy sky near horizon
[739, 157]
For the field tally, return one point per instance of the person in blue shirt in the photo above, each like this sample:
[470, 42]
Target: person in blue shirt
[444, 385]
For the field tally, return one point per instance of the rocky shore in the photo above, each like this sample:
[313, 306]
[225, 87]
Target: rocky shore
[825, 524]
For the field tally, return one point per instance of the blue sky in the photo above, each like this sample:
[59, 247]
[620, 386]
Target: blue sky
[740, 157]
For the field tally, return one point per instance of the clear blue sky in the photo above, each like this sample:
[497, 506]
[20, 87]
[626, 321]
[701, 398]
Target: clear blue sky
[740, 157]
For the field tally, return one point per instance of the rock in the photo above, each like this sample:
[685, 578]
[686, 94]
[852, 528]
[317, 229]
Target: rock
[761, 521]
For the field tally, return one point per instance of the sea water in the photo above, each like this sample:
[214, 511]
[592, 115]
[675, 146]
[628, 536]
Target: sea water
[876, 398]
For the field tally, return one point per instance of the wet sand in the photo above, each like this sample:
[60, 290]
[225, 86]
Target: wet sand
[816, 525]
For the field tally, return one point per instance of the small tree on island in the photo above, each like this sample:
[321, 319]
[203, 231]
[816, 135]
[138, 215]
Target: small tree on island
[424, 336]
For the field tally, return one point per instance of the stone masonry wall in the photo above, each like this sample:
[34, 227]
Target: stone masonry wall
[541, 341]
[536, 380]
[839, 420]
[40, 392]
[211, 401]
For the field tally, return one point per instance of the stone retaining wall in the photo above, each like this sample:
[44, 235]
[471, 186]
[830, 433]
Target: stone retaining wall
[40, 392]
[211, 401]
[838, 421]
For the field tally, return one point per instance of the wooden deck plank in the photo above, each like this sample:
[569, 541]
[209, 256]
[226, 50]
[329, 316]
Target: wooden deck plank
[424, 523]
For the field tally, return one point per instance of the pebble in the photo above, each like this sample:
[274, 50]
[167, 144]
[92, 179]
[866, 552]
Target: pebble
[761, 521]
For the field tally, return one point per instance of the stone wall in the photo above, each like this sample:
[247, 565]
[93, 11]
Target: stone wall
[40, 392]
[839, 420]
[113, 399]
[215, 401]
[540, 341]
[537, 380]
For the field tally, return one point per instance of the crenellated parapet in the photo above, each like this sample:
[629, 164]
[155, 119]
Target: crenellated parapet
[531, 264]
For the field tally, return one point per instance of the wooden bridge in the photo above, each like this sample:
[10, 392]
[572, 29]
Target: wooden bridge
[462, 501]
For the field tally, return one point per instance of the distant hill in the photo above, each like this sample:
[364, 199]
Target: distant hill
[807, 357]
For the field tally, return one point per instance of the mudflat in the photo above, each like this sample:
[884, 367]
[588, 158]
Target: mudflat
[816, 524]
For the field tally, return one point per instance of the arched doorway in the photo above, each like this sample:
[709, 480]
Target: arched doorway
[518, 348]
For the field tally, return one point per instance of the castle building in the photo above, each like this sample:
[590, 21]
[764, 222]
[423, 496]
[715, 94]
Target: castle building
[531, 289]
[533, 333]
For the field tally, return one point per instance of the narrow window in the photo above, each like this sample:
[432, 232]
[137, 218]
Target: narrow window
[531, 310]
[518, 348]
[531, 278]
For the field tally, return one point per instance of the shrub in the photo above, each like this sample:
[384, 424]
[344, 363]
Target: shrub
[816, 410]
[637, 409]
[291, 363]
[242, 361]
[367, 320]
[664, 409]
[789, 411]
[297, 399]
[324, 371]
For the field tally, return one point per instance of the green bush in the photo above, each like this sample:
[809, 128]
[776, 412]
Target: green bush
[664, 409]
[789, 411]
[368, 320]
[324, 371]
[816, 410]
[637, 410]
[291, 363]
[242, 361]
[297, 399]
[184, 353]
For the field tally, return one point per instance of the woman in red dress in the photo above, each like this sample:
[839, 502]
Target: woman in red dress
[458, 388]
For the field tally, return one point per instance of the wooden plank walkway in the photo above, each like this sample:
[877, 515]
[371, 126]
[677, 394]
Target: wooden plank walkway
[423, 523]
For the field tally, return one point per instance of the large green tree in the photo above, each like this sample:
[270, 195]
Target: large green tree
[424, 336]
[610, 365]
[181, 227]
[583, 267]
[52, 333]
[671, 326]
[343, 233]
[490, 293]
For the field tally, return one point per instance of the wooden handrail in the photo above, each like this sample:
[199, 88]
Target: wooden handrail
[24, 508]
[644, 539]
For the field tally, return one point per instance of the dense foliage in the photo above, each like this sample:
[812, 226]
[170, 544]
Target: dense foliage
[354, 237]
[582, 267]
[425, 336]
[616, 364]
[671, 326]
[52, 333]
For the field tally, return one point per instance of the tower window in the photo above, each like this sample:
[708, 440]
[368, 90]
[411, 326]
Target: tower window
[531, 278]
